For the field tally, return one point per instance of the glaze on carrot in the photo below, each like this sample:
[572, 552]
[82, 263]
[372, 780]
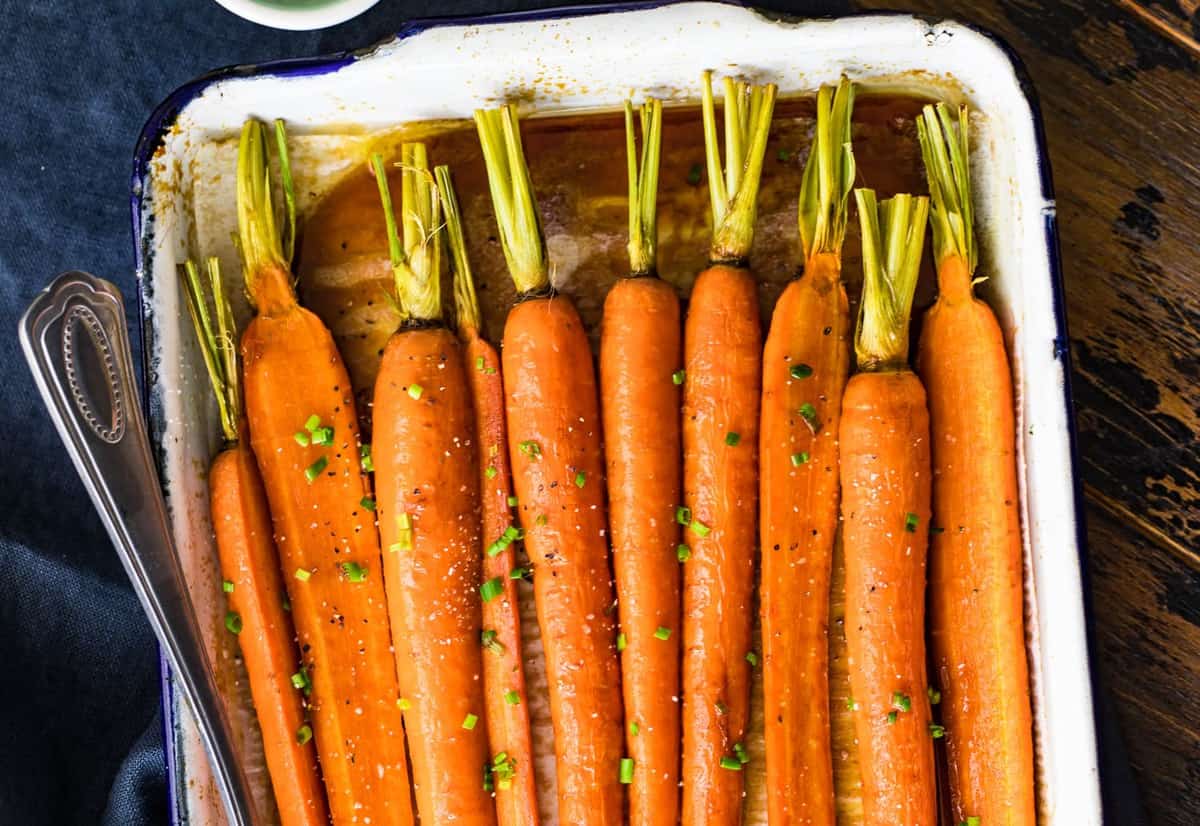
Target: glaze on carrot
[885, 476]
[250, 568]
[553, 420]
[976, 608]
[641, 354]
[304, 432]
[805, 364]
[427, 502]
[512, 772]
[723, 371]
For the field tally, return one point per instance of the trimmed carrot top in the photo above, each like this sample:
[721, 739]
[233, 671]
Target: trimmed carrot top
[217, 343]
[734, 195]
[466, 300]
[829, 173]
[263, 244]
[643, 185]
[415, 256]
[893, 238]
[944, 147]
[512, 197]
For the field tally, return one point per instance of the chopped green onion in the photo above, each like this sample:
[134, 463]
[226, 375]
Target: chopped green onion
[683, 553]
[233, 622]
[800, 458]
[312, 423]
[891, 718]
[301, 681]
[518, 573]
[513, 697]
[699, 528]
[488, 784]
[622, 641]
[303, 734]
[851, 705]
[800, 371]
[679, 376]
[491, 589]
[731, 763]
[322, 436]
[973, 820]
[227, 587]
[627, 770]
[313, 471]
[683, 514]
[303, 574]
[479, 362]
[662, 633]
[469, 722]
[367, 502]
[935, 696]
[721, 708]
[404, 533]
[901, 701]
[809, 414]
[403, 704]
[732, 438]
[937, 732]
[365, 460]
[740, 752]
[512, 501]
[530, 448]
[415, 391]
[301, 438]
[634, 728]
[580, 479]
[752, 658]
[490, 472]
[911, 520]
[488, 639]
[354, 572]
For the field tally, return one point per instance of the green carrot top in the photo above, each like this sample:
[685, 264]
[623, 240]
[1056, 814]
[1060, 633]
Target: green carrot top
[415, 255]
[829, 173]
[643, 185]
[466, 300]
[893, 238]
[512, 197]
[734, 194]
[215, 331]
[263, 244]
[944, 146]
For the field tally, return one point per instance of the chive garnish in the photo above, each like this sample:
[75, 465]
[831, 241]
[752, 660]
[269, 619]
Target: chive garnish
[891, 717]
[512, 501]
[365, 460]
[368, 503]
[518, 573]
[731, 763]
[227, 586]
[683, 515]
[301, 438]
[312, 423]
[809, 414]
[800, 458]
[303, 734]
[530, 448]
[404, 704]
[679, 376]
[937, 732]
[662, 633]
[911, 521]
[479, 363]
[800, 371]
[415, 391]
[634, 728]
[322, 436]
[303, 574]
[313, 471]
[901, 701]
[488, 638]
[626, 770]
[469, 722]
[490, 472]
[354, 572]
[580, 479]
[622, 641]
[732, 438]
[699, 528]
[233, 623]
[752, 658]
[512, 697]
[491, 589]
[683, 553]
[935, 696]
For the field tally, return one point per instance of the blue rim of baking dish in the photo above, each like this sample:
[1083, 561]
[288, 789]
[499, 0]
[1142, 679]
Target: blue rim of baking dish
[164, 115]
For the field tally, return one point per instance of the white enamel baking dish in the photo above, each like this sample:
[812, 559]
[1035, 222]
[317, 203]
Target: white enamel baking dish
[594, 58]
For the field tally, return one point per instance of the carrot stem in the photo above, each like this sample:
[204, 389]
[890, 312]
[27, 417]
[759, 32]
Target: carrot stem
[945, 149]
[512, 194]
[262, 245]
[893, 238]
[734, 195]
[829, 173]
[216, 343]
[413, 247]
[466, 299]
[643, 185]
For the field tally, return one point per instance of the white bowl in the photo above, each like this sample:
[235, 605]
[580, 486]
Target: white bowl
[297, 15]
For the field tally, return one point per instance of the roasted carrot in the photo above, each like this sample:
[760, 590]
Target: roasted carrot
[258, 607]
[976, 609]
[885, 477]
[723, 370]
[512, 772]
[554, 444]
[805, 364]
[640, 360]
[304, 433]
[427, 501]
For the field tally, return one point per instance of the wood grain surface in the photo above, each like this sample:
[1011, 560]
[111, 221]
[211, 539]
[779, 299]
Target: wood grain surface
[1120, 95]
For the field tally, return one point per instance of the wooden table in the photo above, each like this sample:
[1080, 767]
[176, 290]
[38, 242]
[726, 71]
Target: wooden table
[1120, 94]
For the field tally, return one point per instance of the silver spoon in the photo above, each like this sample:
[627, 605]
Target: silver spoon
[75, 341]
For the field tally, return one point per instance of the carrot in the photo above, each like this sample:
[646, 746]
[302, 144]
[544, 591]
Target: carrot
[640, 356]
[505, 700]
[304, 433]
[805, 364]
[723, 366]
[554, 444]
[250, 566]
[427, 504]
[885, 479]
[976, 609]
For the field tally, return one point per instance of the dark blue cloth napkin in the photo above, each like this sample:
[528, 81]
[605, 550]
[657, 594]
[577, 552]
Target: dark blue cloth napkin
[81, 737]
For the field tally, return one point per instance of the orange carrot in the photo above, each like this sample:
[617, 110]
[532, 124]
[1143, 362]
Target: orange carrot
[512, 772]
[723, 367]
[640, 354]
[554, 443]
[304, 432]
[804, 375]
[976, 609]
[428, 501]
[250, 566]
[885, 475]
